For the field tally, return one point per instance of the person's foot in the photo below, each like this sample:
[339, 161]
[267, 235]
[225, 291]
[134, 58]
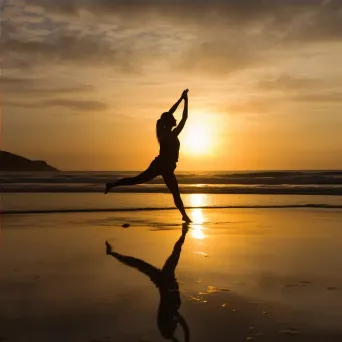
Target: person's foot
[108, 248]
[185, 228]
[108, 187]
[186, 219]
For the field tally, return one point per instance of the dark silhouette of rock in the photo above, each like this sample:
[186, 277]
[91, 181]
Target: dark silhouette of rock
[13, 162]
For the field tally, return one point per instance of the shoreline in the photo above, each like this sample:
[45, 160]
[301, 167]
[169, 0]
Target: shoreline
[115, 210]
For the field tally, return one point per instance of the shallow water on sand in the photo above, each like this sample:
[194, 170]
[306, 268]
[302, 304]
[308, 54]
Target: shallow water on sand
[265, 274]
[129, 201]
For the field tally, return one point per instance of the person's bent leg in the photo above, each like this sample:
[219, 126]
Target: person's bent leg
[141, 265]
[143, 177]
[171, 182]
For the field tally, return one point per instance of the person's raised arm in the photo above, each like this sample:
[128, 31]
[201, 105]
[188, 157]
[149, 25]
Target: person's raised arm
[180, 127]
[175, 106]
[185, 327]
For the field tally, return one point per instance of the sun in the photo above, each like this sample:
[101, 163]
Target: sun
[198, 139]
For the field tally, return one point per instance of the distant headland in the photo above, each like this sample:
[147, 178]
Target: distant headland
[13, 162]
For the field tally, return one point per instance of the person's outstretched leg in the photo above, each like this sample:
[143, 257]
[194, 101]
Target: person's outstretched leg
[141, 265]
[171, 182]
[143, 177]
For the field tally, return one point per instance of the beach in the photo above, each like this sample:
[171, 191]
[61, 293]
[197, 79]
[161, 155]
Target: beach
[243, 274]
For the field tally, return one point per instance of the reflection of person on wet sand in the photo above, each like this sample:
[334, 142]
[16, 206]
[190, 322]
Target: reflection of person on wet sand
[165, 164]
[166, 282]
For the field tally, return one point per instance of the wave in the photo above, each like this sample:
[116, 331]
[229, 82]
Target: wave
[262, 177]
[99, 210]
[263, 182]
[333, 190]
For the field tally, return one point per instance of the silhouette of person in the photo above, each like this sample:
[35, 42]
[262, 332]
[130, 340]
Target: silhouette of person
[165, 164]
[164, 279]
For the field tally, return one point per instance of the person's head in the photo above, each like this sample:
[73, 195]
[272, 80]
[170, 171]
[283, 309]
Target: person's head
[167, 324]
[165, 124]
[168, 120]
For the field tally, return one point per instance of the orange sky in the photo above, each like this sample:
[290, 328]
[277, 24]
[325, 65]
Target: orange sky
[84, 82]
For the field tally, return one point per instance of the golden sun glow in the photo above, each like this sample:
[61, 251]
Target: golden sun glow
[198, 138]
[197, 229]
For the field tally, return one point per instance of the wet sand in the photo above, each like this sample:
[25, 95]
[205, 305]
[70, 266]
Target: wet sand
[243, 274]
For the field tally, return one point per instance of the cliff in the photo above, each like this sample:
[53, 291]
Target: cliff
[13, 162]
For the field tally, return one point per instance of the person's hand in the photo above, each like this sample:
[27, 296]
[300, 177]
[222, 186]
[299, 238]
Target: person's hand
[185, 94]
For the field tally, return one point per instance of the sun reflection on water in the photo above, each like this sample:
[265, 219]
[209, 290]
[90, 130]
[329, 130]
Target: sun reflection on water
[197, 216]
[197, 228]
[198, 200]
[197, 233]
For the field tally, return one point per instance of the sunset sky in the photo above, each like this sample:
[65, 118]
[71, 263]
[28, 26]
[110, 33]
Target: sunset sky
[84, 81]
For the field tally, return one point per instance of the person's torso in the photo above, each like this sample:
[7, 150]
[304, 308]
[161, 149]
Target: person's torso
[169, 149]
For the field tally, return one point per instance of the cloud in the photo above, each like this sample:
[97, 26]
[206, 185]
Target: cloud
[218, 36]
[258, 105]
[69, 46]
[75, 105]
[78, 104]
[39, 87]
[322, 22]
[219, 57]
[66, 48]
[276, 93]
[21, 104]
[287, 82]
[301, 89]
[322, 97]
[14, 82]
[235, 9]
[323, 16]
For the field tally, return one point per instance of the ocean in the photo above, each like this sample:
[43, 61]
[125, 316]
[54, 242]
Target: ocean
[83, 191]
